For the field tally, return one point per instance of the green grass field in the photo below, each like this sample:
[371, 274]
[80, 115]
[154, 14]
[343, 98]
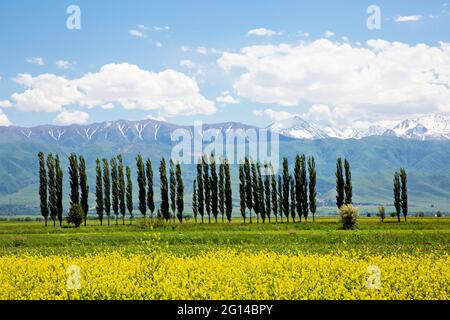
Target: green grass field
[416, 236]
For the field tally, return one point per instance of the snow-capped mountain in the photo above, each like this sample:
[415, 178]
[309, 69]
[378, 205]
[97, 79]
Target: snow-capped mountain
[431, 127]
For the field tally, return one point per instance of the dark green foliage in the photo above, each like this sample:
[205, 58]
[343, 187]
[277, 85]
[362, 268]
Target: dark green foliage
[59, 190]
[99, 191]
[115, 188]
[293, 199]
[213, 184]
[255, 190]
[339, 184]
[348, 183]
[106, 189]
[280, 197]
[221, 195]
[43, 187]
[274, 195]
[286, 184]
[228, 191]
[242, 190]
[206, 187]
[200, 191]
[149, 174]
[122, 203]
[180, 193]
[84, 188]
[51, 172]
[298, 186]
[194, 200]
[141, 180]
[404, 192]
[397, 196]
[267, 195]
[172, 184]
[303, 188]
[76, 215]
[261, 207]
[312, 186]
[74, 180]
[129, 193]
[164, 209]
[248, 187]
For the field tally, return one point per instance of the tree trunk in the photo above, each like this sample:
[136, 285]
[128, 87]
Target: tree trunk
[45, 219]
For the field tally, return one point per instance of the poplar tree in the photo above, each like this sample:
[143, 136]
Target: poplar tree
[312, 186]
[206, 187]
[298, 186]
[115, 188]
[84, 188]
[274, 194]
[106, 189]
[286, 184]
[74, 180]
[200, 194]
[348, 183]
[172, 184]
[214, 188]
[262, 209]
[99, 191]
[304, 187]
[221, 195]
[339, 184]
[267, 195]
[122, 201]
[248, 187]
[242, 189]
[293, 199]
[194, 200]
[43, 187]
[164, 209]
[404, 192]
[255, 190]
[280, 197]
[51, 172]
[149, 174]
[129, 193]
[397, 196]
[141, 180]
[59, 190]
[180, 193]
[228, 191]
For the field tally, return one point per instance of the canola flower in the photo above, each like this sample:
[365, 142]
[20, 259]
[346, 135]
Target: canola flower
[225, 274]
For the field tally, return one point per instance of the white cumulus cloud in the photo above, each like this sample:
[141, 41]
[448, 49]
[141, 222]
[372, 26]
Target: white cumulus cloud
[408, 18]
[64, 64]
[188, 64]
[226, 98]
[67, 117]
[5, 104]
[273, 115]
[137, 33]
[4, 121]
[170, 92]
[36, 60]
[263, 32]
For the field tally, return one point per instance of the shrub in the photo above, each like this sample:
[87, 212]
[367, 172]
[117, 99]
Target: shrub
[438, 214]
[75, 215]
[392, 214]
[421, 214]
[368, 215]
[348, 214]
[381, 213]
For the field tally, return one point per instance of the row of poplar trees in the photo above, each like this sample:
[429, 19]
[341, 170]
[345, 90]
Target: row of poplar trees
[283, 195]
[400, 193]
[344, 189]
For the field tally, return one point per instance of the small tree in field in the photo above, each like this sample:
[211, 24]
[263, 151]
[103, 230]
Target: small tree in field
[382, 213]
[349, 215]
[76, 215]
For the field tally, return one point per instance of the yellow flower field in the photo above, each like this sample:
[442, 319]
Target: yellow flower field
[225, 274]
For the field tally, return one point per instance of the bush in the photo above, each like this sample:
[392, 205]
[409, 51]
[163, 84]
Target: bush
[392, 214]
[75, 215]
[368, 215]
[439, 214]
[381, 213]
[421, 214]
[348, 214]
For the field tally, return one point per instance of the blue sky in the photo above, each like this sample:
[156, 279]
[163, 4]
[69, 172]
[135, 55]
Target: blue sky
[218, 67]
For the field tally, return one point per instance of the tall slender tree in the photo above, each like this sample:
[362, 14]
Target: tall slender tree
[262, 209]
[221, 195]
[194, 200]
[248, 187]
[129, 193]
[43, 187]
[280, 197]
[180, 193]
[348, 183]
[141, 180]
[397, 196]
[122, 200]
[52, 200]
[228, 191]
[99, 191]
[404, 192]
[298, 186]
[255, 190]
[74, 180]
[59, 190]
[213, 184]
[164, 209]
[115, 188]
[84, 187]
[106, 189]
[339, 184]
[286, 185]
[267, 195]
[242, 189]
[312, 186]
[200, 191]
[149, 174]
[172, 185]
[293, 199]
[274, 194]
[206, 186]
[304, 188]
